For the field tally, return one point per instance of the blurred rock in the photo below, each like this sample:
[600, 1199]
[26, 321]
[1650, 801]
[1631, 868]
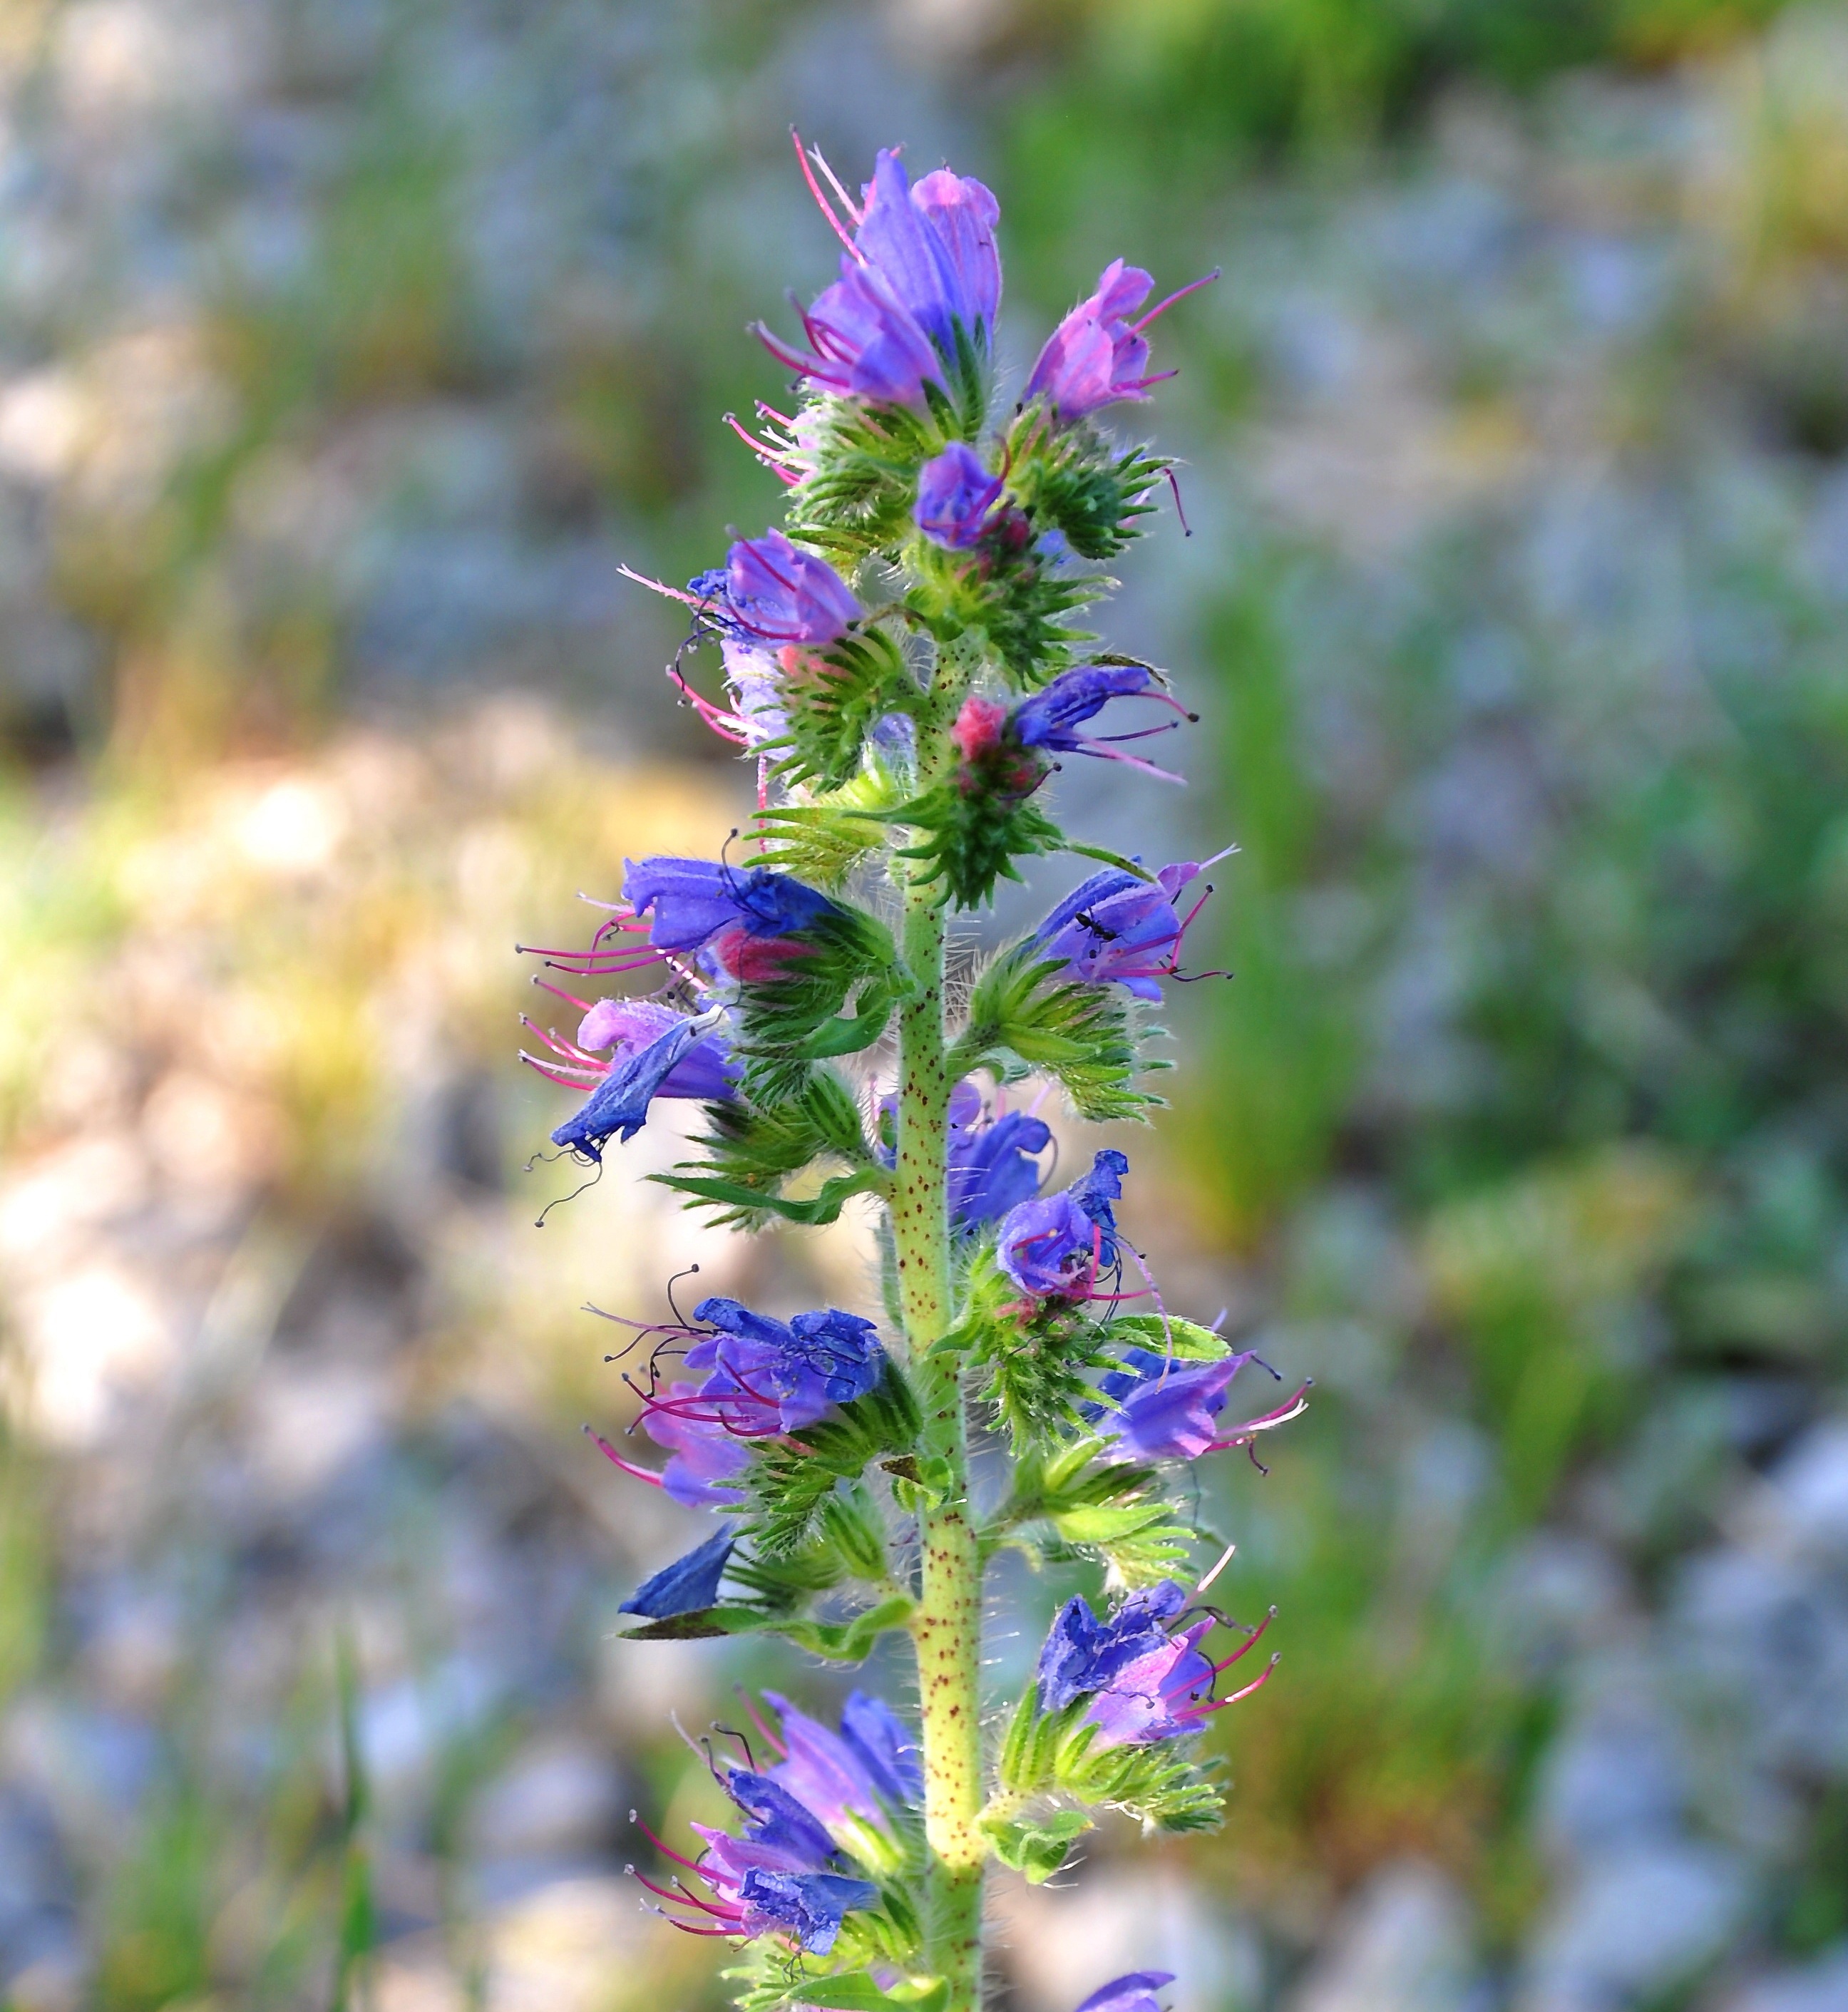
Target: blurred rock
[561, 1796]
[1403, 1943]
[1821, 1986]
[1632, 1924]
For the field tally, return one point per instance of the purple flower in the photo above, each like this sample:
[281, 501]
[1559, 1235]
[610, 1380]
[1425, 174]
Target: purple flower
[1145, 1685]
[696, 900]
[689, 1585]
[707, 1454]
[687, 1054]
[781, 1875]
[921, 265]
[1161, 1409]
[866, 1772]
[1096, 356]
[955, 494]
[774, 593]
[934, 245]
[992, 1167]
[1133, 1993]
[1053, 1247]
[766, 1376]
[1051, 718]
[1116, 929]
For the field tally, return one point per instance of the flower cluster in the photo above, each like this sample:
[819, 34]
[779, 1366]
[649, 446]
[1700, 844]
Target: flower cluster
[900, 661]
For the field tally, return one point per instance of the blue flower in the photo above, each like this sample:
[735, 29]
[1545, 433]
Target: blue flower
[934, 245]
[1114, 929]
[769, 1375]
[1049, 720]
[695, 901]
[992, 1164]
[618, 1106]
[1053, 1247]
[781, 1875]
[1083, 1654]
[689, 1585]
[867, 1771]
[1136, 1992]
[1160, 1409]
[773, 593]
[955, 494]
[1145, 1685]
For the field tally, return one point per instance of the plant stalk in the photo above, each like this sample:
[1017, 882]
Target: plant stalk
[946, 1627]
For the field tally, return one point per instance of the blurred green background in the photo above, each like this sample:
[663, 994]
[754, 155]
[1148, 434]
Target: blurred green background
[347, 347]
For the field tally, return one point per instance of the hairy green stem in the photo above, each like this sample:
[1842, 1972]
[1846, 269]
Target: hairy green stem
[946, 1627]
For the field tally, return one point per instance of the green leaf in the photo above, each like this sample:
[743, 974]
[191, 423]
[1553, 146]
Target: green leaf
[740, 1203]
[1105, 1526]
[1187, 1341]
[849, 1641]
[859, 1991]
[1036, 1845]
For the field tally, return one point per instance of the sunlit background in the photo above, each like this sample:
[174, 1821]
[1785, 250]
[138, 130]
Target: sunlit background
[347, 347]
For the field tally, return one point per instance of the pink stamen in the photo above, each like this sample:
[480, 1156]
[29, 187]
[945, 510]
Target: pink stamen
[655, 1481]
[1292, 1407]
[666, 1851]
[559, 992]
[554, 1072]
[1249, 1641]
[1179, 508]
[1161, 308]
[822, 202]
[757, 1719]
[853, 209]
[659, 585]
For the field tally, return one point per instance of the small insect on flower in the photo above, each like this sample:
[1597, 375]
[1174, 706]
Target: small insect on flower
[1114, 929]
[782, 1875]
[1145, 1685]
[1095, 356]
[1055, 1246]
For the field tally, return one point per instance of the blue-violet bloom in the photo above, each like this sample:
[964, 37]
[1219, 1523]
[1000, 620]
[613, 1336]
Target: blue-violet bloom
[1145, 1685]
[1096, 356]
[688, 1058]
[1049, 720]
[1136, 1992]
[689, 1585]
[864, 1773]
[1116, 929]
[1161, 1409]
[955, 495]
[781, 1875]
[767, 1375]
[1054, 1246]
[923, 263]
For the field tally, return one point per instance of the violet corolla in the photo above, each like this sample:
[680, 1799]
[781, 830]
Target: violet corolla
[1096, 355]
[920, 282]
[1055, 1246]
[781, 1875]
[1161, 1409]
[1145, 1683]
[956, 495]
[1115, 928]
